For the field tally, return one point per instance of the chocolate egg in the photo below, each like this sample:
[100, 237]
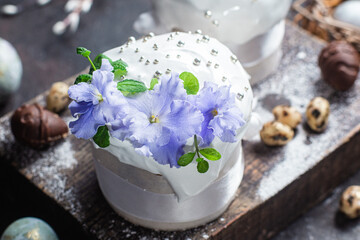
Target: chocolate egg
[339, 63]
[36, 126]
[29, 228]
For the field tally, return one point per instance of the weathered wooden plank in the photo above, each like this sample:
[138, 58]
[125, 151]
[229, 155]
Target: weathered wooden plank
[279, 183]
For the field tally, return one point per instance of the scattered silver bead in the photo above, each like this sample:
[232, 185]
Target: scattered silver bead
[151, 34]
[224, 79]
[214, 52]
[215, 22]
[167, 56]
[196, 62]
[233, 58]
[189, 32]
[216, 65]
[198, 40]
[208, 14]
[246, 89]
[156, 61]
[155, 47]
[208, 63]
[206, 38]
[157, 74]
[168, 71]
[176, 33]
[198, 31]
[131, 39]
[240, 96]
[147, 62]
[180, 44]
[178, 56]
[137, 50]
[141, 59]
[121, 50]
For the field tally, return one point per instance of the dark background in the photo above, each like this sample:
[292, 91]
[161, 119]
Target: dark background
[48, 58]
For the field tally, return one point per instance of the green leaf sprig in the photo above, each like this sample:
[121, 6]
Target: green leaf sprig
[191, 83]
[202, 165]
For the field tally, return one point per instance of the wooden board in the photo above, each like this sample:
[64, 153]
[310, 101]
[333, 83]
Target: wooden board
[279, 183]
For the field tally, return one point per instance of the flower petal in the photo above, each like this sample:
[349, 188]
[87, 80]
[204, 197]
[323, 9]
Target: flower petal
[84, 92]
[77, 108]
[100, 79]
[169, 153]
[85, 126]
[105, 65]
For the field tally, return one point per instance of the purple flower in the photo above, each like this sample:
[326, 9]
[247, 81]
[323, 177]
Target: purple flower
[162, 120]
[221, 115]
[95, 104]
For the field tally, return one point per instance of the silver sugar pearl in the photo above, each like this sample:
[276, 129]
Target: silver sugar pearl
[196, 62]
[180, 44]
[167, 56]
[131, 39]
[141, 59]
[208, 63]
[151, 34]
[208, 14]
[147, 62]
[137, 50]
[214, 52]
[121, 50]
[240, 96]
[155, 47]
[178, 56]
[223, 79]
[157, 74]
[246, 89]
[198, 40]
[216, 65]
[176, 33]
[233, 58]
[206, 38]
[168, 71]
[156, 61]
[215, 22]
[198, 31]
[189, 32]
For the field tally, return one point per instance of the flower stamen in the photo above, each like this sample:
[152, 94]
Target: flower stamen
[214, 112]
[154, 119]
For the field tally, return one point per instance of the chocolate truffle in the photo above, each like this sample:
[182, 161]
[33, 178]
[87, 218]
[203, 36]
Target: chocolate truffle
[339, 63]
[36, 126]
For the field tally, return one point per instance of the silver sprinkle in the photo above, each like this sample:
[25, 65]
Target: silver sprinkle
[157, 74]
[216, 65]
[233, 58]
[178, 56]
[224, 79]
[155, 47]
[198, 31]
[176, 33]
[208, 14]
[131, 39]
[189, 32]
[206, 38]
[198, 40]
[151, 34]
[167, 56]
[180, 44]
[168, 39]
[240, 96]
[215, 22]
[121, 50]
[171, 36]
[246, 89]
[141, 59]
[147, 62]
[168, 71]
[196, 62]
[137, 50]
[208, 63]
[127, 44]
[156, 61]
[214, 52]
[144, 39]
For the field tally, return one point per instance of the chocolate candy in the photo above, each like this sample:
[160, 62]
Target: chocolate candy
[36, 126]
[339, 63]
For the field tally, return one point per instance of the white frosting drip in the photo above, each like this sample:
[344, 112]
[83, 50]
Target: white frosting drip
[185, 181]
[231, 21]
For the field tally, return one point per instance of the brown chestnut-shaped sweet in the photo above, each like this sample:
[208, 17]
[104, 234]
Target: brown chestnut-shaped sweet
[339, 63]
[287, 115]
[36, 126]
[350, 202]
[317, 114]
[58, 97]
[276, 134]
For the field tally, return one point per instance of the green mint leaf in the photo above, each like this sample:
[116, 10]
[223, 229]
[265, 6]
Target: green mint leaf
[119, 69]
[119, 64]
[191, 84]
[153, 82]
[102, 137]
[210, 153]
[199, 160]
[131, 86]
[97, 62]
[83, 78]
[203, 166]
[83, 51]
[186, 159]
